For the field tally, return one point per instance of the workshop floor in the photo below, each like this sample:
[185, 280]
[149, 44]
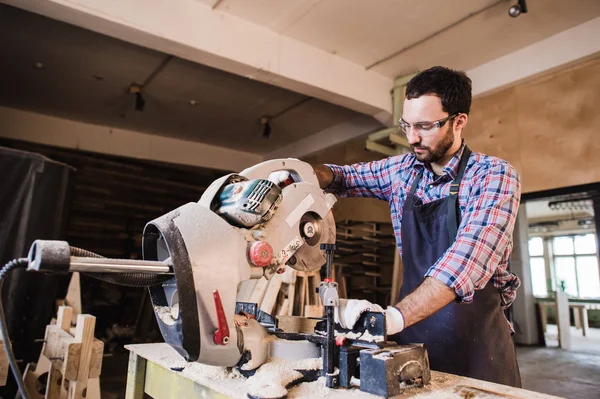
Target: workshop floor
[571, 374]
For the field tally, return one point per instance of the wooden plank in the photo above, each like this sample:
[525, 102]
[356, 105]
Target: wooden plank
[315, 281]
[268, 302]
[73, 298]
[65, 316]
[246, 290]
[313, 311]
[296, 324]
[162, 383]
[136, 377]
[289, 276]
[342, 289]
[259, 291]
[291, 299]
[300, 294]
[84, 334]
[282, 309]
[54, 384]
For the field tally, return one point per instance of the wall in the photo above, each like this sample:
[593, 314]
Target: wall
[547, 128]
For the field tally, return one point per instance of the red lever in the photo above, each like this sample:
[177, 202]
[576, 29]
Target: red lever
[221, 336]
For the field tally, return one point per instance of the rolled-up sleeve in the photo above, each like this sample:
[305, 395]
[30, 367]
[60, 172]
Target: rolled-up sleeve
[368, 179]
[484, 240]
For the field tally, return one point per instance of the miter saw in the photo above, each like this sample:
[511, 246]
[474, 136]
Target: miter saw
[246, 226]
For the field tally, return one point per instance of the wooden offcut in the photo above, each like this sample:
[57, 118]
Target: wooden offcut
[74, 359]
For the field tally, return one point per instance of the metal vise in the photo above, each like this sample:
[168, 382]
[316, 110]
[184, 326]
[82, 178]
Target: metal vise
[386, 372]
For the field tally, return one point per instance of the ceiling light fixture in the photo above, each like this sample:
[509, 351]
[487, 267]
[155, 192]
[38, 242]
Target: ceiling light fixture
[193, 103]
[266, 130]
[265, 121]
[518, 9]
[140, 102]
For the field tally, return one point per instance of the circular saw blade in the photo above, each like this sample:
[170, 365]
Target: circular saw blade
[310, 256]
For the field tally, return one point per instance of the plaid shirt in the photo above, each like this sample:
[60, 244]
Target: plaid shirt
[488, 198]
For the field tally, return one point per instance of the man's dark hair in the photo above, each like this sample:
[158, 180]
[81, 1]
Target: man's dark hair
[452, 87]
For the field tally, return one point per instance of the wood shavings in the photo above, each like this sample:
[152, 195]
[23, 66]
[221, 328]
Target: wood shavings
[318, 389]
[366, 336]
[167, 314]
[272, 377]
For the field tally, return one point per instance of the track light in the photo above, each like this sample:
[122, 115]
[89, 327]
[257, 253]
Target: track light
[518, 9]
[266, 130]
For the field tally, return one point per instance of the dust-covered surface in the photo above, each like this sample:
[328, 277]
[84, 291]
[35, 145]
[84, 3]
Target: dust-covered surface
[276, 373]
[449, 386]
[362, 336]
[273, 376]
[224, 380]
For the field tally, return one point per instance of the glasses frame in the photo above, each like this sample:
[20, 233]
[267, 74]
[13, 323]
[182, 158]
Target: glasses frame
[404, 126]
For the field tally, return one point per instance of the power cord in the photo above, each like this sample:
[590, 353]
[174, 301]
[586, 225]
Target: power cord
[13, 264]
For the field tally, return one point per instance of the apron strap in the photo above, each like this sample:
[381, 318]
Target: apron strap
[453, 206]
[415, 184]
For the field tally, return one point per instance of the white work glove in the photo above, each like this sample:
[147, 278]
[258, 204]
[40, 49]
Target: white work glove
[350, 310]
[394, 320]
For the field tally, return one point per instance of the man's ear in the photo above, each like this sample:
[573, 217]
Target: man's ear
[461, 121]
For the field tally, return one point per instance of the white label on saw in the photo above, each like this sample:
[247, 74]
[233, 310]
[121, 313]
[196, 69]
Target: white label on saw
[300, 210]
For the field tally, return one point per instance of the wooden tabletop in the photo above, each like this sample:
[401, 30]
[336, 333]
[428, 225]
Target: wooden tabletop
[154, 364]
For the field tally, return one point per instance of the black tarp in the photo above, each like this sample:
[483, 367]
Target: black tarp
[34, 201]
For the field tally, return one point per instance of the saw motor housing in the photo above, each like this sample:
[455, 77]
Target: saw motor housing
[243, 227]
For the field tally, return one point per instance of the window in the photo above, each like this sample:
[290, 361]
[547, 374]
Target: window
[573, 265]
[576, 265]
[538, 266]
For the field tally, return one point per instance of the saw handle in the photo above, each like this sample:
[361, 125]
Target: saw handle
[301, 171]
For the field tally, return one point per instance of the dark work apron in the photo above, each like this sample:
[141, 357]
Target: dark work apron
[471, 340]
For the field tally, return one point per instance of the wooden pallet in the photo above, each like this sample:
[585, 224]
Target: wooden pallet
[367, 261]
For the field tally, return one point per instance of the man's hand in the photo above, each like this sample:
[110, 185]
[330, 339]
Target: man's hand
[350, 310]
[324, 175]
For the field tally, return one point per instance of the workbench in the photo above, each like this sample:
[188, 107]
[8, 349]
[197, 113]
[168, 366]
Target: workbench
[157, 370]
[580, 311]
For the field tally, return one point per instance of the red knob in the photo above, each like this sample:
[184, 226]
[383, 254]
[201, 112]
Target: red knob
[340, 340]
[260, 253]
[221, 336]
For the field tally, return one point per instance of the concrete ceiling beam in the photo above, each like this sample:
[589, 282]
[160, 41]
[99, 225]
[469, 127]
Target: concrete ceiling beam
[195, 31]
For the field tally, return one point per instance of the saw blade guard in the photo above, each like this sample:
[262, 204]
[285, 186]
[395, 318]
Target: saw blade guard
[303, 220]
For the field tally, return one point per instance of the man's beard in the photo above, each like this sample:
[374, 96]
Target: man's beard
[437, 153]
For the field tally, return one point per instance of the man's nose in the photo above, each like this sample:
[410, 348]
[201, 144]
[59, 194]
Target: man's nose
[413, 138]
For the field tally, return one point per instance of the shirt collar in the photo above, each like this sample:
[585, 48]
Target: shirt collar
[451, 168]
